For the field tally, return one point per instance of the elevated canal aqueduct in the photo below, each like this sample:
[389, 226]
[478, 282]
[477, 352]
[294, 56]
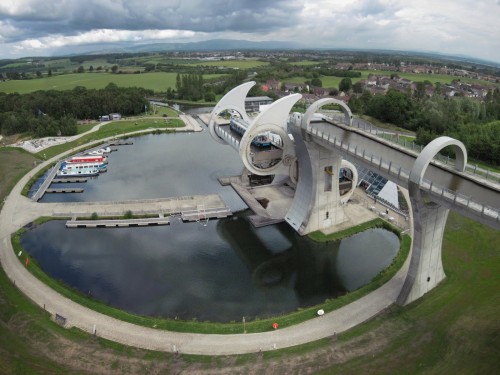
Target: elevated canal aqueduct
[311, 151]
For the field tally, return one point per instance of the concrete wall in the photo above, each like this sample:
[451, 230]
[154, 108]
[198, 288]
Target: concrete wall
[327, 210]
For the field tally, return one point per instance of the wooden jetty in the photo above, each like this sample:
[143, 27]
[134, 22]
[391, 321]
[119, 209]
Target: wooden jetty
[65, 190]
[120, 143]
[68, 180]
[118, 223]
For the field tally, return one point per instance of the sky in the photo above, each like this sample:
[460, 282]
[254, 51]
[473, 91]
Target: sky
[55, 27]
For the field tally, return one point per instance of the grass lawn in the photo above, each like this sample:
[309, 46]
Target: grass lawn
[114, 128]
[453, 329]
[158, 82]
[14, 163]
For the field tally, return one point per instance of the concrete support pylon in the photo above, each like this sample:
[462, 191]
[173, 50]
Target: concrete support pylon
[317, 202]
[327, 210]
[429, 220]
[426, 266]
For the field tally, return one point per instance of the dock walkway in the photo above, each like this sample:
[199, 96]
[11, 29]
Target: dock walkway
[118, 223]
[46, 183]
[64, 190]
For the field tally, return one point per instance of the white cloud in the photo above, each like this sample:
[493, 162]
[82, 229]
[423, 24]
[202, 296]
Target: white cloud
[103, 36]
[451, 26]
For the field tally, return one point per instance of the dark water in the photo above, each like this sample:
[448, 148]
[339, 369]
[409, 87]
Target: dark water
[220, 272]
[161, 166]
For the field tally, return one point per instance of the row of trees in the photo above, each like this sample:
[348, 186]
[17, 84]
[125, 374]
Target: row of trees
[54, 112]
[473, 122]
[38, 125]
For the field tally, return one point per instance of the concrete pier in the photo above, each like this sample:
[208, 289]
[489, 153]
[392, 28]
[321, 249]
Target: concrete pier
[118, 223]
[68, 180]
[200, 214]
[65, 190]
[48, 180]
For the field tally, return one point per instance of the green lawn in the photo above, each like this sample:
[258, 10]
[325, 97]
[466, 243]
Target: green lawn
[114, 128]
[158, 82]
[454, 329]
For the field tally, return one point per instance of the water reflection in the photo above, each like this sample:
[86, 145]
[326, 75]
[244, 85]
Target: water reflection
[220, 272]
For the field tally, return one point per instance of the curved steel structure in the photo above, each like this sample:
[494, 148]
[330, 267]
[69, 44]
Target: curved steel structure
[347, 164]
[313, 108]
[274, 120]
[429, 220]
[234, 99]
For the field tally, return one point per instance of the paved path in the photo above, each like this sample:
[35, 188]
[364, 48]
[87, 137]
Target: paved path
[19, 210]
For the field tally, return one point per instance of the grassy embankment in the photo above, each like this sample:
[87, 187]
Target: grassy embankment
[455, 327]
[285, 320]
[452, 329]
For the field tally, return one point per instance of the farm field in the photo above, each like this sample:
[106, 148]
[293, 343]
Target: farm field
[154, 81]
[328, 81]
[236, 64]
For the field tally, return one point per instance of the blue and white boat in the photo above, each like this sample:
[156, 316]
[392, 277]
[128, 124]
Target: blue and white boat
[100, 166]
[239, 126]
[78, 172]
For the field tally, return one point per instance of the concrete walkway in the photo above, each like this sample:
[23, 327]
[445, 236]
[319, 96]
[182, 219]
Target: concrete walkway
[19, 210]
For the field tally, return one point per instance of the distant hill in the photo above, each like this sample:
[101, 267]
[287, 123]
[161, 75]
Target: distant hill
[207, 45]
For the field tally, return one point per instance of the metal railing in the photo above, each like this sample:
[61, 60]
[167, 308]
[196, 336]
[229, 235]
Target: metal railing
[401, 174]
[401, 140]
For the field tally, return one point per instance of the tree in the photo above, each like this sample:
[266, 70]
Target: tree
[316, 82]
[50, 73]
[91, 68]
[209, 96]
[345, 84]
[357, 87]
[38, 73]
[114, 69]
[80, 69]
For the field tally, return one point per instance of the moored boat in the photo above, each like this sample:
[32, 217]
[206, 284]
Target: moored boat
[101, 167]
[78, 172]
[87, 159]
[100, 151]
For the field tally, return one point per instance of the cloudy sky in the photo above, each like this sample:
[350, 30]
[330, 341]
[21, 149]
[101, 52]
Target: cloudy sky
[46, 27]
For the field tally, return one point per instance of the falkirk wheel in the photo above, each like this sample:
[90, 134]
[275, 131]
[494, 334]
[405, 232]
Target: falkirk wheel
[312, 170]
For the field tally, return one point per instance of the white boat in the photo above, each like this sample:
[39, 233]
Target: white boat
[100, 166]
[100, 151]
[78, 172]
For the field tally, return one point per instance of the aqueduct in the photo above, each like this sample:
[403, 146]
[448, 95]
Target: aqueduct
[311, 152]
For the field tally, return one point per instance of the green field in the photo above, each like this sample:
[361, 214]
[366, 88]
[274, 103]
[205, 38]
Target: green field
[158, 82]
[236, 64]
[327, 81]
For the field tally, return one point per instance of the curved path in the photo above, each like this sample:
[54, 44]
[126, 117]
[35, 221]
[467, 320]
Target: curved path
[19, 210]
